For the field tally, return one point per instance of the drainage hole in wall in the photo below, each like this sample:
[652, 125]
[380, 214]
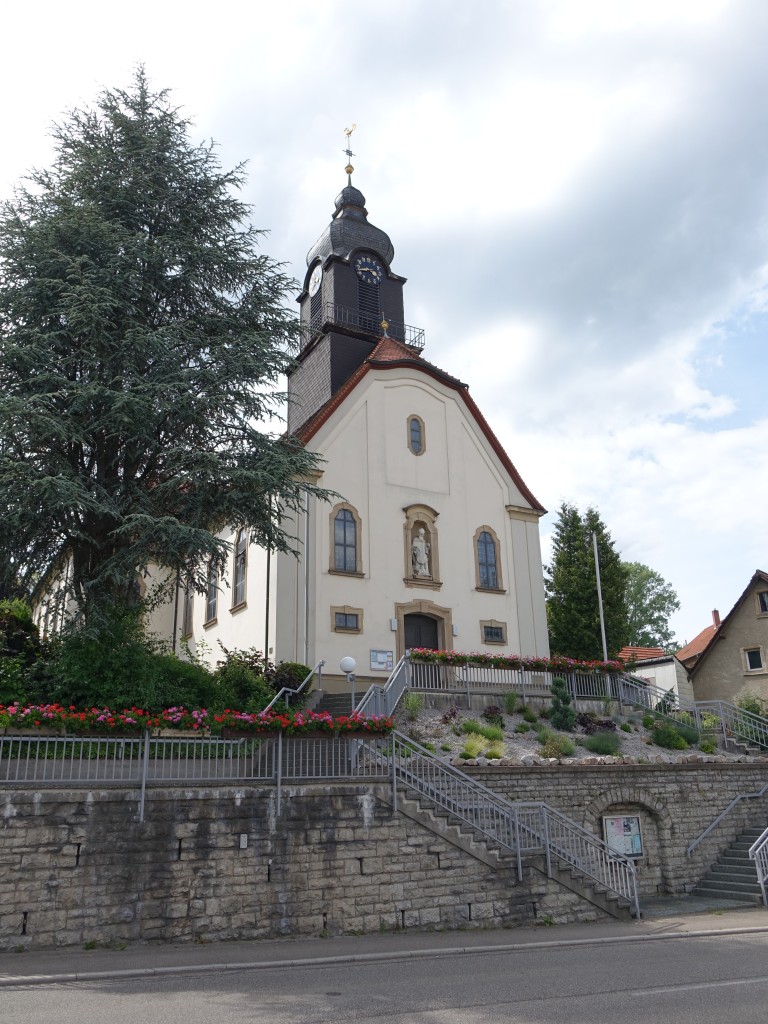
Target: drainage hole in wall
[24, 920]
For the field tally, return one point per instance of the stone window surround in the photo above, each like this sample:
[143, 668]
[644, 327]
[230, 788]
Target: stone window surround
[499, 588]
[346, 609]
[344, 506]
[422, 431]
[426, 516]
[745, 664]
[495, 624]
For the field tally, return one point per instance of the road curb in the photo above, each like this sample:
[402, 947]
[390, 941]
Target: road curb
[352, 958]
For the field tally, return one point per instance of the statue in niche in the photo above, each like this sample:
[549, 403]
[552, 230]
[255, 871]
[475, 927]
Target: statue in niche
[420, 555]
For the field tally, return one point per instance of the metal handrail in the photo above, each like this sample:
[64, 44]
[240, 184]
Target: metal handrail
[520, 828]
[288, 692]
[758, 852]
[382, 700]
[333, 314]
[724, 814]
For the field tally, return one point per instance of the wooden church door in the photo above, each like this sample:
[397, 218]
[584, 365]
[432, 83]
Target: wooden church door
[421, 631]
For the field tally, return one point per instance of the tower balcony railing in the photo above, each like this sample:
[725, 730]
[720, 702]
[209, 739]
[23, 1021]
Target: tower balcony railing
[348, 319]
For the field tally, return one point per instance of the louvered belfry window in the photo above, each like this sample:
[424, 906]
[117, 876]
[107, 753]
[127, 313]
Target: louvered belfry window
[369, 306]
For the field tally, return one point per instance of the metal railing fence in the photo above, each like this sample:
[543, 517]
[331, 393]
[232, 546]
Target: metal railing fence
[758, 852]
[286, 694]
[724, 814]
[712, 716]
[144, 760]
[520, 828]
[382, 700]
[276, 760]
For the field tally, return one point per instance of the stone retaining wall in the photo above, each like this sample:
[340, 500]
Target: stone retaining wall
[76, 867]
[675, 803]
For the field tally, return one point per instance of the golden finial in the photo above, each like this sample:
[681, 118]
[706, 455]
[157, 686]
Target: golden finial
[349, 168]
[385, 328]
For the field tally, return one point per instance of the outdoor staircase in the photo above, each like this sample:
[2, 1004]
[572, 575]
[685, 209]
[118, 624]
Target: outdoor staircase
[337, 703]
[734, 875]
[461, 835]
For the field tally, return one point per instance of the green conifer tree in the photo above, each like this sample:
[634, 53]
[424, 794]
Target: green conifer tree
[142, 336]
[573, 614]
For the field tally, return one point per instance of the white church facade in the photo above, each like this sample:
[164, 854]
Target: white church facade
[433, 538]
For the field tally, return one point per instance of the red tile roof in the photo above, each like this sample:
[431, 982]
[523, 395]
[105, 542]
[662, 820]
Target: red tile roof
[640, 654]
[392, 354]
[697, 645]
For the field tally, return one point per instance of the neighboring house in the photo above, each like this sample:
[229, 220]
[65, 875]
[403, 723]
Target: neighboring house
[733, 659]
[661, 670]
[433, 540]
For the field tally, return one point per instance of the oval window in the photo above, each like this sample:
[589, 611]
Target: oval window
[416, 435]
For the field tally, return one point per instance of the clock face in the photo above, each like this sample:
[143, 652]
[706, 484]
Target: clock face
[369, 269]
[314, 281]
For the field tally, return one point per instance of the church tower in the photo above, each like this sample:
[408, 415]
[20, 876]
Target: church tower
[351, 297]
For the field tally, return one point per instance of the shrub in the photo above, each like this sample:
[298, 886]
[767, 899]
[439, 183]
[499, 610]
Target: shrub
[689, 734]
[473, 747]
[529, 715]
[602, 743]
[20, 650]
[445, 746]
[494, 715]
[648, 721]
[412, 705]
[668, 703]
[710, 722]
[495, 750]
[510, 702]
[523, 727]
[625, 727]
[450, 715]
[488, 732]
[544, 712]
[555, 745]
[666, 735]
[561, 714]
[749, 701]
[708, 746]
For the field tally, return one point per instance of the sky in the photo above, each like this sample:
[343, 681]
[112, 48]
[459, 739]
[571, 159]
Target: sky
[576, 190]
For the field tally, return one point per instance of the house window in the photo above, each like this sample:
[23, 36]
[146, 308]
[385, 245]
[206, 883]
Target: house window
[486, 561]
[416, 435]
[494, 632]
[347, 620]
[762, 602]
[239, 576]
[186, 617]
[344, 541]
[211, 594]
[754, 659]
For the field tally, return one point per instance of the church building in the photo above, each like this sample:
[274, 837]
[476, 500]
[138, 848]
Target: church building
[433, 538]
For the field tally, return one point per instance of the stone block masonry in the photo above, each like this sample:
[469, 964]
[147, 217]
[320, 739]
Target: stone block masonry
[77, 867]
[675, 804]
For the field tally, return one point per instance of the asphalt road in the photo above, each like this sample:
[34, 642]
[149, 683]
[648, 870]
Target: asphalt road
[697, 980]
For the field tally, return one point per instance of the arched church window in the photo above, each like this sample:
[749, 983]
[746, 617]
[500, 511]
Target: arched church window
[344, 541]
[487, 560]
[416, 436]
[239, 575]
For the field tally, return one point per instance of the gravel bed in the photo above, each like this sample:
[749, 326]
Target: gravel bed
[442, 730]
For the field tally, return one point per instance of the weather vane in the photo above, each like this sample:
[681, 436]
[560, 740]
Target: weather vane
[349, 168]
